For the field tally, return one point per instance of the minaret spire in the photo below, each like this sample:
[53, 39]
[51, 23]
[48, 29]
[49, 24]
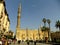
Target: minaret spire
[19, 16]
[19, 10]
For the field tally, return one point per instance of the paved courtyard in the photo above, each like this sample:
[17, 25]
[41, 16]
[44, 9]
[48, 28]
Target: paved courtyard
[31, 43]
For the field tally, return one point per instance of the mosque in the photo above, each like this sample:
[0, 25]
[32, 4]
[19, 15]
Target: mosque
[28, 34]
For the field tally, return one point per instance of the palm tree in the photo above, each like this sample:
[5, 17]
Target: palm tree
[57, 24]
[44, 21]
[49, 34]
[48, 21]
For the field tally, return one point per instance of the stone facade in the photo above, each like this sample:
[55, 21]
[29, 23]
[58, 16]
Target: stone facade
[24, 34]
[4, 18]
[55, 35]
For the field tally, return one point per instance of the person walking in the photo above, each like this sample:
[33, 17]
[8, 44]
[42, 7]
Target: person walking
[0, 42]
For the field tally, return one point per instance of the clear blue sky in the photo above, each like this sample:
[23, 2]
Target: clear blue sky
[33, 11]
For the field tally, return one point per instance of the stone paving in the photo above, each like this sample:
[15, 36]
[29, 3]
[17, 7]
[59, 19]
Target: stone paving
[31, 43]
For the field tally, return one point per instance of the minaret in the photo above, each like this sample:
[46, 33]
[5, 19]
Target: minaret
[18, 22]
[19, 16]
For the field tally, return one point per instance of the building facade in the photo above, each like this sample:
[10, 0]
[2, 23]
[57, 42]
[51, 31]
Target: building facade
[28, 34]
[55, 35]
[4, 18]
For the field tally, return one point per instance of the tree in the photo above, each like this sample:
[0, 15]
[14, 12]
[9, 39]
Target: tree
[48, 21]
[49, 34]
[14, 36]
[9, 34]
[44, 21]
[57, 25]
[44, 28]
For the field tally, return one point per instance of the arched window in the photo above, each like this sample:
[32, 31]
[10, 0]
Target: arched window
[30, 38]
[36, 38]
[23, 36]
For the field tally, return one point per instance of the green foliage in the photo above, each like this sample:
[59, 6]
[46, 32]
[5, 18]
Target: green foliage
[44, 20]
[9, 37]
[57, 25]
[48, 21]
[45, 28]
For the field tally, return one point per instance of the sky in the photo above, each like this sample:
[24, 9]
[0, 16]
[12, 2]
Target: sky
[33, 11]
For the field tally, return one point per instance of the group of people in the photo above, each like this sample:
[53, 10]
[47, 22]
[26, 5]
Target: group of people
[4, 41]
